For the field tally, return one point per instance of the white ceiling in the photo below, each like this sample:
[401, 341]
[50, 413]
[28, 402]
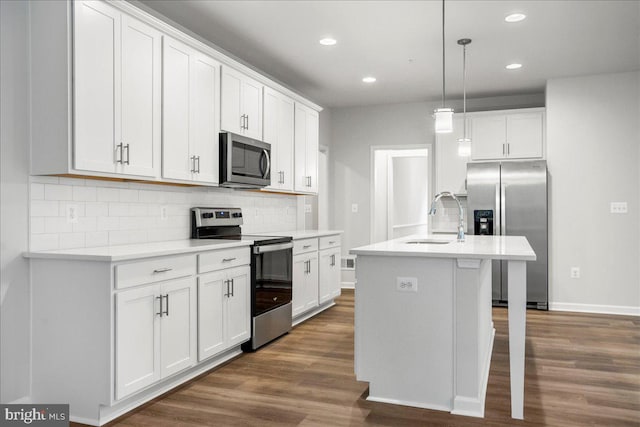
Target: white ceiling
[399, 42]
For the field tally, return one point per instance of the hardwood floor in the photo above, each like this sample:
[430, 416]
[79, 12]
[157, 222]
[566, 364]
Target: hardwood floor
[581, 370]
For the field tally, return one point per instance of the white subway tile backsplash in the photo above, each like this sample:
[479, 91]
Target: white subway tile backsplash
[117, 213]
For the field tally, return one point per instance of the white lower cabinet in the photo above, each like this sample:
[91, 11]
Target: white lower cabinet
[329, 287]
[155, 333]
[224, 310]
[305, 282]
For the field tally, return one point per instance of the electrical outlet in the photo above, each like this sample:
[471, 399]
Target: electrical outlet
[307, 209]
[72, 214]
[575, 272]
[619, 207]
[163, 213]
[407, 284]
[354, 208]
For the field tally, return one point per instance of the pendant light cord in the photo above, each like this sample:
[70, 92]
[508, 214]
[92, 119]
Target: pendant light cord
[443, 56]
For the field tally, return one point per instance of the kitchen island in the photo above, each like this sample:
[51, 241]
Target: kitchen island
[423, 328]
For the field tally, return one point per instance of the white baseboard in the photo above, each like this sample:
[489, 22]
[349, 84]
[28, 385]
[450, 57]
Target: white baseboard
[595, 308]
[348, 285]
[408, 403]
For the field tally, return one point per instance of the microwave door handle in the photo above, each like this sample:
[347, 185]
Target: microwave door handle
[266, 170]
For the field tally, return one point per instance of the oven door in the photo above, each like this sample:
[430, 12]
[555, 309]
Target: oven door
[245, 162]
[272, 277]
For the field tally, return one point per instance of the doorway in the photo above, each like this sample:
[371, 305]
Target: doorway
[401, 189]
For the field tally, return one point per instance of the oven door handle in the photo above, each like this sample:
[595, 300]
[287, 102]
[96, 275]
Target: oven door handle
[272, 248]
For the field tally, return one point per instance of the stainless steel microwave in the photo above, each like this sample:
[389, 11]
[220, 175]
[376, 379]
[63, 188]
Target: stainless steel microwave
[244, 162]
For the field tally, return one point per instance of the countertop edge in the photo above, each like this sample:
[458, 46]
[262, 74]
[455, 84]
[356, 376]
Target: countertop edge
[511, 257]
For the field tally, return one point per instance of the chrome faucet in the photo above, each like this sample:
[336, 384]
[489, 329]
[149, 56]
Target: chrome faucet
[432, 211]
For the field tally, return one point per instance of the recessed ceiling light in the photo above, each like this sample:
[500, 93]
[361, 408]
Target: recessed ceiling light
[328, 41]
[515, 17]
[369, 79]
[513, 66]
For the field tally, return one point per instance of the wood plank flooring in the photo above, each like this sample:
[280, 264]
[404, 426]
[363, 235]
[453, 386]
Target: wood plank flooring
[581, 370]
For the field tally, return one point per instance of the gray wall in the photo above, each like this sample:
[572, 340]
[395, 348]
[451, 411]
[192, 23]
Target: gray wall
[354, 130]
[593, 143]
[14, 201]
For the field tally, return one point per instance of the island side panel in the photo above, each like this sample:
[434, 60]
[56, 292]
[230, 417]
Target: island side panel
[517, 288]
[404, 338]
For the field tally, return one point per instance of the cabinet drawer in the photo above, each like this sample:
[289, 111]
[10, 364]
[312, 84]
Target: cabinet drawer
[305, 245]
[224, 258]
[329, 241]
[155, 270]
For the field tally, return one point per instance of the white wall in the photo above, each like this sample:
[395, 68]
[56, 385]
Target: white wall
[354, 130]
[593, 144]
[14, 202]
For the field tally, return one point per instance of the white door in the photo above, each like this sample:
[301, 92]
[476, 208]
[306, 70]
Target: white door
[211, 300]
[488, 137]
[205, 118]
[96, 86]
[231, 119]
[299, 288]
[311, 152]
[252, 108]
[451, 167]
[178, 326]
[325, 287]
[301, 182]
[285, 143]
[270, 133]
[312, 282]
[238, 306]
[525, 135]
[176, 162]
[408, 197]
[137, 339]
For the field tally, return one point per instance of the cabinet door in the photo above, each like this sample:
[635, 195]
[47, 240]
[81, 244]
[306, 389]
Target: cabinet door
[137, 339]
[211, 300]
[176, 162]
[96, 85]
[278, 114]
[230, 106]
[140, 103]
[300, 135]
[238, 306]
[178, 326]
[488, 137]
[299, 289]
[335, 281]
[270, 133]
[325, 287]
[525, 135]
[252, 108]
[451, 168]
[205, 118]
[311, 152]
[312, 282]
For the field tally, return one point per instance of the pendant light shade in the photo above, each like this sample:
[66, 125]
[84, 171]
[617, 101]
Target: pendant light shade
[443, 116]
[464, 143]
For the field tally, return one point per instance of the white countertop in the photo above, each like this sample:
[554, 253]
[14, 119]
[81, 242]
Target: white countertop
[142, 250]
[303, 234]
[483, 247]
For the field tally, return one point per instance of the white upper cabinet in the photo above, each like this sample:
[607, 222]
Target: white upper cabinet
[306, 149]
[241, 104]
[191, 114]
[278, 131]
[116, 92]
[451, 168]
[515, 134]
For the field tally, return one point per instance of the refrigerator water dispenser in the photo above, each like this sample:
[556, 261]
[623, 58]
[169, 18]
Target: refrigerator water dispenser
[483, 222]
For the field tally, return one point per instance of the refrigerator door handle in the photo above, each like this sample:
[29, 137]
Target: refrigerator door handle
[503, 209]
[498, 213]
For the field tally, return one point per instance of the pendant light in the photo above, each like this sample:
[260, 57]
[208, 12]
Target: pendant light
[464, 143]
[443, 115]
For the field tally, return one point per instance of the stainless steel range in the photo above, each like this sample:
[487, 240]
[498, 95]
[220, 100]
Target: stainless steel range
[271, 271]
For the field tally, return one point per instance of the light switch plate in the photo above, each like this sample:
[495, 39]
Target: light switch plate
[619, 207]
[354, 208]
[164, 213]
[407, 284]
[307, 209]
[72, 214]
[575, 272]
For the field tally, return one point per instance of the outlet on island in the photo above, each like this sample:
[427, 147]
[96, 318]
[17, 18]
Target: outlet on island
[407, 284]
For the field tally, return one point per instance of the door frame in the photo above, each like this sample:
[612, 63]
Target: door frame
[372, 150]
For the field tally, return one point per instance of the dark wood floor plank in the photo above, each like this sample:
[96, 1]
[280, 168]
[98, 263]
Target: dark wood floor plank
[581, 370]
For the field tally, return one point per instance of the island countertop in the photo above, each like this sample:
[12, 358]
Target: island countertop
[482, 247]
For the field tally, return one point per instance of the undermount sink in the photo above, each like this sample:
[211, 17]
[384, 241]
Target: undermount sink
[429, 241]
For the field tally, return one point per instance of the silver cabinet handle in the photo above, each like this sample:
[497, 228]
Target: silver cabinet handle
[332, 242]
[166, 311]
[306, 246]
[226, 282]
[281, 177]
[232, 288]
[228, 259]
[242, 121]
[193, 164]
[118, 149]
[126, 162]
[247, 116]
[497, 230]
[160, 312]
[504, 149]
[198, 160]
[333, 260]
[508, 149]
[162, 270]
[503, 209]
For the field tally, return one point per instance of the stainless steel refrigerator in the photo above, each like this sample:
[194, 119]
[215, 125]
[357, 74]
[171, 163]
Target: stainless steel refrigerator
[510, 198]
